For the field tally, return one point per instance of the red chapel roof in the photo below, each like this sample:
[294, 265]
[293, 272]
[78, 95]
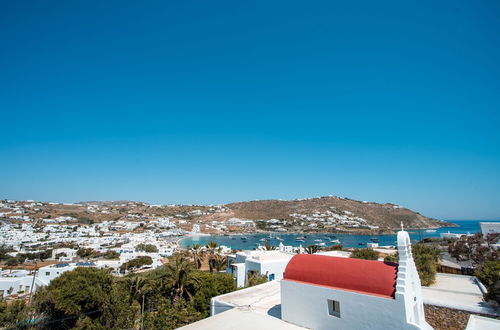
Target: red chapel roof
[363, 276]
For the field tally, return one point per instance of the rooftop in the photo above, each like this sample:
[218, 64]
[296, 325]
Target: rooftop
[365, 276]
[242, 319]
[264, 298]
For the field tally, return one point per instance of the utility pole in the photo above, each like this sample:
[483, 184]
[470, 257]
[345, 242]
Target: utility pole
[32, 282]
[142, 313]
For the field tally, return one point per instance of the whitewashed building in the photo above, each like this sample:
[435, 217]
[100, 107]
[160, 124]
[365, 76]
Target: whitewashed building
[269, 263]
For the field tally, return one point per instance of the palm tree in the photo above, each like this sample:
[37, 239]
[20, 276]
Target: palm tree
[220, 262]
[138, 288]
[269, 247]
[198, 255]
[213, 251]
[180, 275]
[311, 249]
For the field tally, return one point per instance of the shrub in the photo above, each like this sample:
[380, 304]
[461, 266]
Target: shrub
[489, 274]
[149, 248]
[368, 254]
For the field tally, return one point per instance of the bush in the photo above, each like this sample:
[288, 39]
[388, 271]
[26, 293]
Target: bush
[426, 258]
[110, 254]
[489, 274]
[86, 253]
[136, 263]
[368, 254]
[149, 248]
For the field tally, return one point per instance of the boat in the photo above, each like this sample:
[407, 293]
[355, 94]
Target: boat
[243, 238]
[335, 241]
[322, 244]
[374, 240]
[361, 243]
[318, 240]
[430, 231]
[300, 239]
[263, 240]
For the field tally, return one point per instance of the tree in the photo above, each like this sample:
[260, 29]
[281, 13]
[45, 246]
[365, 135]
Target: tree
[136, 263]
[255, 279]
[138, 288]
[209, 285]
[213, 250]
[477, 248]
[170, 315]
[78, 296]
[269, 247]
[197, 254]
[368, 254]
[12, 314]
[86, 253]
[311, 249]
[180, 271]
[426, 258]
[110, 254]
[149, 248]
[220, 262]
[489, 274]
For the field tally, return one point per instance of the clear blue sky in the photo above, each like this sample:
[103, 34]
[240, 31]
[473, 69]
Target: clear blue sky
[220, 101]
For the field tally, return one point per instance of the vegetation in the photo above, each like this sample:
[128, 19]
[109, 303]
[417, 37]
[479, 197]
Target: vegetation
[269, 247]
[426, 258]
[136, 263]
[255, 279]
[476, 248]
[215, 259]
[90, 298]
[197, 254]
[336, 247]
[110, 254]
[86, 253]
[368, 254]
[489, 274]
[149, 248]
[311, 249]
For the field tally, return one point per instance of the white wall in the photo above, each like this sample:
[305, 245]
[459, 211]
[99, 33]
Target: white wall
[307, 305]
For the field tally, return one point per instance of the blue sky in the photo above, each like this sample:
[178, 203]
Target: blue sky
[220, 101]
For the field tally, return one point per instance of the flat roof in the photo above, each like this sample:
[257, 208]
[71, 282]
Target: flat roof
[456, 292]
[264, 298]
[269, 255]
[241, 319]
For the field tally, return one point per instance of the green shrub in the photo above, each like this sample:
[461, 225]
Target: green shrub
[368, 254]
[489, 274]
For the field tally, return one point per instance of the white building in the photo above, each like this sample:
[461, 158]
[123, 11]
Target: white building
[321, 292]
[489, 227]
[269, 263]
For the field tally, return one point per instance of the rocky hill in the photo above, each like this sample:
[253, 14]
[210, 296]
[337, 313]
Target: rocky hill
[386, 216]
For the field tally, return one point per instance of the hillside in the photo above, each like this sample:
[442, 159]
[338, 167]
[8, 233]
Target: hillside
[387, 216]
[332, 214]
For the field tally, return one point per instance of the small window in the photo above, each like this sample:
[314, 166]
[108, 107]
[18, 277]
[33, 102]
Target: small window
[47, 273]
[334, 308]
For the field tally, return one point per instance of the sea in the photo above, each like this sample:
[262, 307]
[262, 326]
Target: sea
[252, 241]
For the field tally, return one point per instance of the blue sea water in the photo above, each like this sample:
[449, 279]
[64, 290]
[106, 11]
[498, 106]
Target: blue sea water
[253, 240]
